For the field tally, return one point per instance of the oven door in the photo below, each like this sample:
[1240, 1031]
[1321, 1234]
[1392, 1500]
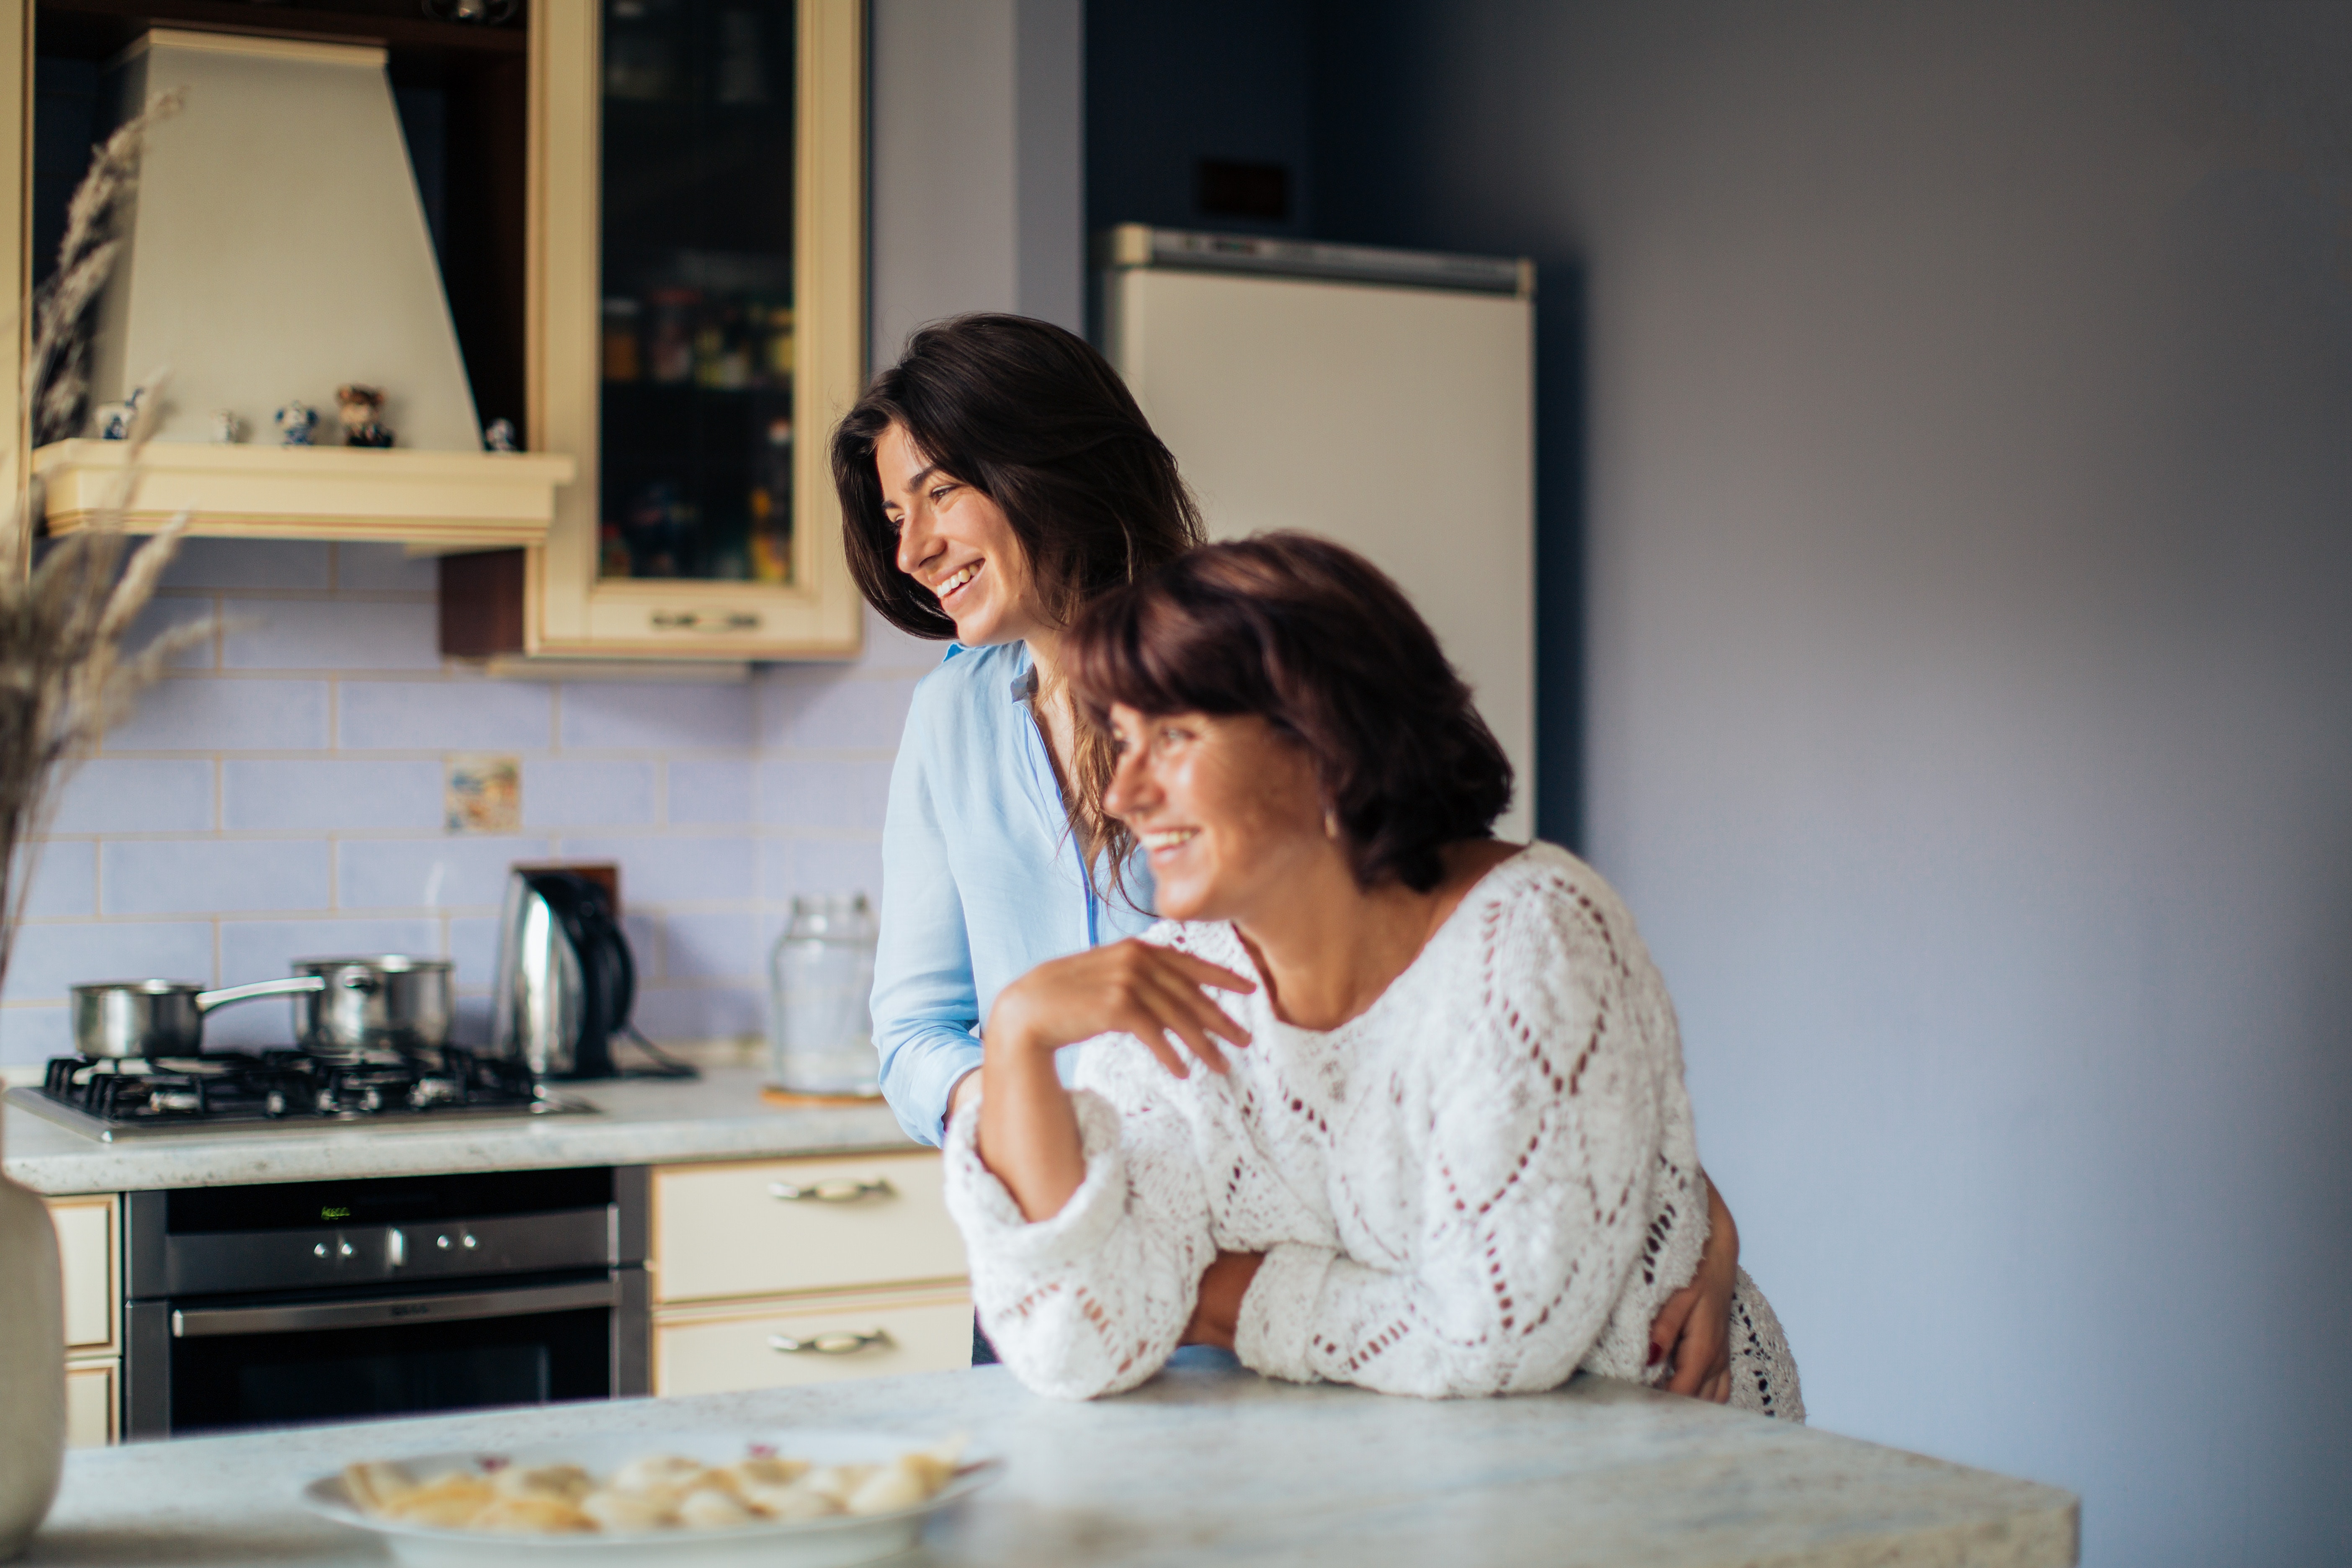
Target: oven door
[218, 1364]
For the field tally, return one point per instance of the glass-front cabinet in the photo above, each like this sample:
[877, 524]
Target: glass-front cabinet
[698, 324]
[695, 345]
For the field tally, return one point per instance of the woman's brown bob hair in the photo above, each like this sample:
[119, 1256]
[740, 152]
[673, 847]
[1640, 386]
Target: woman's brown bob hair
[1034, 419]
[1318, 641]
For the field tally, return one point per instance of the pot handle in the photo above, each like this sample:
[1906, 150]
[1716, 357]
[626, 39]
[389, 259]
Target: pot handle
[208, 1000]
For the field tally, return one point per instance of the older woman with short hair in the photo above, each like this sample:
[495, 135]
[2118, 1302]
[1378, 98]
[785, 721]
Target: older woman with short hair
[1380, 1101]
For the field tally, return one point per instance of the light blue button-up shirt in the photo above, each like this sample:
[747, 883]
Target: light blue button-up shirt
[982, 879]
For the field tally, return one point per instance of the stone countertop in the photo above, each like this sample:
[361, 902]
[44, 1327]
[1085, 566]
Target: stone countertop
[1205, 1464]
[637, 1122]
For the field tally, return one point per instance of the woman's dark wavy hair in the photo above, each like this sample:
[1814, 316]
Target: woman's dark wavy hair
[1033, 418]
[1318, 641]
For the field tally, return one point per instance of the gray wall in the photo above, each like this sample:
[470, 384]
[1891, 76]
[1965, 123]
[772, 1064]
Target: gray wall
[978, 158]
[1965, 488]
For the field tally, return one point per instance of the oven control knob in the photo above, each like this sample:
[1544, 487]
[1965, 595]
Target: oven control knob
[319, 1250]
[343, 1248]
[442, 1242]
[469, 1243]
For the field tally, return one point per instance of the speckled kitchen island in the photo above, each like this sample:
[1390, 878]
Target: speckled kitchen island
[1206, 1464]
[635, 1121]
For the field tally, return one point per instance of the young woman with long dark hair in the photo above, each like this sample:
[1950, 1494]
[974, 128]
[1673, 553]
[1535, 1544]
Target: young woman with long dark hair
[995, 482]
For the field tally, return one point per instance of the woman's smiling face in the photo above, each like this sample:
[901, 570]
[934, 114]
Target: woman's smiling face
[957, 544]
[1227, 808]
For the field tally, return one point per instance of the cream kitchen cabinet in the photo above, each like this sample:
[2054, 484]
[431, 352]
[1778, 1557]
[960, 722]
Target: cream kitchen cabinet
[783, 1271]
[697, 325]
[89, 1246]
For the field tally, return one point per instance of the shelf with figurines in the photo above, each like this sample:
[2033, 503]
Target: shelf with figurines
[366, 486]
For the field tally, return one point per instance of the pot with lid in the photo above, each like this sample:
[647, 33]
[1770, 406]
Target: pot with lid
[383, 1001]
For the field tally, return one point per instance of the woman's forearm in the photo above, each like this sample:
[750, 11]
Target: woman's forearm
[1028, 1128]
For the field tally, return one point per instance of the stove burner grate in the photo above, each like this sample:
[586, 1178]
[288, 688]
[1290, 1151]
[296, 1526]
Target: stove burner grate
[286, 1086]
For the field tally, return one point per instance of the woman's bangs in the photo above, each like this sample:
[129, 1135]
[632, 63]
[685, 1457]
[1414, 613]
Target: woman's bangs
[1146, 653]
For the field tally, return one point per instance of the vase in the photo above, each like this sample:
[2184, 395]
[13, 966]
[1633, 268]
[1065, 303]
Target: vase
[32, 1366]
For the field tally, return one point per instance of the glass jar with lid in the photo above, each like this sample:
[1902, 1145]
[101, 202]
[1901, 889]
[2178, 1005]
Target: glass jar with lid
[820, 1019]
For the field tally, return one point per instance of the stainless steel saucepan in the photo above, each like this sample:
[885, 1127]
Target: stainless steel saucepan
[122, 1018]
[387, 1001]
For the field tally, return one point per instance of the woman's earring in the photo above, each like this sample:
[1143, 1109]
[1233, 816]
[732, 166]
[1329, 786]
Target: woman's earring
[1331, 823]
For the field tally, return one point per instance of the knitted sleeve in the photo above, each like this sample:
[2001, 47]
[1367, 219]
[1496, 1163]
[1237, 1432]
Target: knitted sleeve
[1096, 1299]
[1534, 1137]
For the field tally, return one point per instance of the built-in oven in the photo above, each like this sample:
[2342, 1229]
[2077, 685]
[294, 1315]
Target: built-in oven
[267, 1305]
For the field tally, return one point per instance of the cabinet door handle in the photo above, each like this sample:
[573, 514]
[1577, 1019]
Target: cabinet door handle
[846, 1343]
[839, 1190]
[704, 621]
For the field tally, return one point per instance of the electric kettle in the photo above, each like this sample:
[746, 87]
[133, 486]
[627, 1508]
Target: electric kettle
[565, 980]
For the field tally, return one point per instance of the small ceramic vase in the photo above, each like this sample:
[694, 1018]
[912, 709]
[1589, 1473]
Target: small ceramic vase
[295, 422]
[32, 1366]
[500, 436]
[227, 428]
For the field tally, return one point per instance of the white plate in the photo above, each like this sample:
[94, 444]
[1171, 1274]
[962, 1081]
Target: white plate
[826, 1542]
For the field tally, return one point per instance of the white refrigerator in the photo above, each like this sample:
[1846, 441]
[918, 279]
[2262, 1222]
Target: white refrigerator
[1382, 398]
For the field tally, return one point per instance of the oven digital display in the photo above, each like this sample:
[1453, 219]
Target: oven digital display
[393, 1200]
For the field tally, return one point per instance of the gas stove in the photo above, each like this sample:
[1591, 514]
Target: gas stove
[248, 1091]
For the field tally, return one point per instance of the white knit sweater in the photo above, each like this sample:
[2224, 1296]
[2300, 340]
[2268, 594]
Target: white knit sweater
[1483, 1181]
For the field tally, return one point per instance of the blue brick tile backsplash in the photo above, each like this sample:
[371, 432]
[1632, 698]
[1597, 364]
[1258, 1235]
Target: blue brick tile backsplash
[279, 797]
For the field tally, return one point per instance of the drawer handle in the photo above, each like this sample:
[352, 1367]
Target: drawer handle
[704, 621]
[845, 1344]
[840, 1190]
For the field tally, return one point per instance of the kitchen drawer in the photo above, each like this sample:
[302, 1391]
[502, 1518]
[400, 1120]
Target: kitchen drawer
[780, 1346]
[777, 1227]
[90, 1404]
[85, 1247]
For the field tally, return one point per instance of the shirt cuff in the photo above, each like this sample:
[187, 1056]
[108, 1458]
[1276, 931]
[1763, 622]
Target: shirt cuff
[1278, 1310]
[916, 1084]
[993, 1224]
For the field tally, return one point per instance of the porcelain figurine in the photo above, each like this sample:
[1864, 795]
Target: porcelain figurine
[295, 423]
[114, 420]
[227, 428]
[500, 436]
[360, 408]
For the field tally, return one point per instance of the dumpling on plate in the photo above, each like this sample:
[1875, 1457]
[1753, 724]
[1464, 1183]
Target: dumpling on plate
[714, 1508]
[450, 1502]
[375, 1485]
[798, 1500]
[765, 1471]
[908, 1480]
[839, 1482]
[657, 1473]
[568, 1483]
[629, 1514]
[532, 1514]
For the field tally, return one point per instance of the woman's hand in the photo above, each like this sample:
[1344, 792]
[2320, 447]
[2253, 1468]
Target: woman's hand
[1217, 1309]
[1028, 1128]
[1134, 987]
[1693, 1328]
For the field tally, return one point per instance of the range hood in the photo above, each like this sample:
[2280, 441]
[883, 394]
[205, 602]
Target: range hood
[275, 249]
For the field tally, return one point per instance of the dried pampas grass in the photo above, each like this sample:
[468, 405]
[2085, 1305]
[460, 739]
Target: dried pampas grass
[67, 606]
